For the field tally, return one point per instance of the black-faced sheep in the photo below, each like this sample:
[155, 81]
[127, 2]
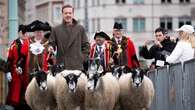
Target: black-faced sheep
[102, 91]
[136, 91]
[70, 88]
[40, 92]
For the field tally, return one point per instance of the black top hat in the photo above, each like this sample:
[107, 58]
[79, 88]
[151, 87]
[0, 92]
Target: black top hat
[102, 34]
[117, 26]
[22, 28]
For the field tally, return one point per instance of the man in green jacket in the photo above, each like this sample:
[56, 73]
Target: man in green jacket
[71, 41]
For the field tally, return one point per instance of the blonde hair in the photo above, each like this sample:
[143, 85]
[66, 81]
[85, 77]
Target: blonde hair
[184, 36]
[192, 40]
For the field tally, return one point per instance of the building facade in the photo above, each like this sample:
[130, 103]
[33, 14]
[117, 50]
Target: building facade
[139, 17]
[44, 10]
[3, 21]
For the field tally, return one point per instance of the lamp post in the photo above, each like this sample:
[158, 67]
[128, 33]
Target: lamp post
[86, 16]
[12, 19]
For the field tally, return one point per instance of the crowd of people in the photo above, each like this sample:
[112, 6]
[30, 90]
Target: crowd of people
[68, 44]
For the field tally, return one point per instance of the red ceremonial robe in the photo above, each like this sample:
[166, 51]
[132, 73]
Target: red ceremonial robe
[19, 82]
[131, 55]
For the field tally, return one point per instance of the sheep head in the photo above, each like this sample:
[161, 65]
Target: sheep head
[94, 73]
[71, 77]
[137, 76]
[41, 79]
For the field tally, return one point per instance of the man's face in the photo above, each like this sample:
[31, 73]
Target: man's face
[117, 33]
[99, 40]
[38, 35]
[159, 36]
[20, 35]
[68, 15]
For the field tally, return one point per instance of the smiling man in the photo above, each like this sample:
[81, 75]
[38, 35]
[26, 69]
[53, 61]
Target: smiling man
[71, 41]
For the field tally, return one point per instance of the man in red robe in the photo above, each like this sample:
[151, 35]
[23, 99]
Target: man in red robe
[100, 50]
[18, 61]
[122, 49]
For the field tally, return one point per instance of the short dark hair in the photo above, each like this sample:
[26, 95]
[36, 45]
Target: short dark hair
[67, 6]
[161, 30]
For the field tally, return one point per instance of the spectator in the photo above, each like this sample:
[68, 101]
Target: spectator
[162, 45]
[71, 41]
[101, 50]
[122, 49]
[183, 50]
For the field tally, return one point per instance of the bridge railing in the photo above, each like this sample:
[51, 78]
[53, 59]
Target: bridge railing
[174, 86]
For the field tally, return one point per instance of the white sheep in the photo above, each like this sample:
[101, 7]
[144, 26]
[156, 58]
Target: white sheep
[70, 88]
[102, 91]
[40, 92]
[136, 91]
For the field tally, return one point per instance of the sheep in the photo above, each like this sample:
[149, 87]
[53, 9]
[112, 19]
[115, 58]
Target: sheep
[70, 90]
[102, 91]
[40, 92]
[137, 91]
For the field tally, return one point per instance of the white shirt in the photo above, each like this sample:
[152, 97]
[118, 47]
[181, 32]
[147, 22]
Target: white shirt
[182, 52]
[117, 40]
[102, 48]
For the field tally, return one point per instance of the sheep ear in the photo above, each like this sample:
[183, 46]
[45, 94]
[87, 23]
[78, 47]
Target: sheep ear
[65, 73]
[34, 73]
[77, 72]
[79, 75]
[126, 69]
[144, 71]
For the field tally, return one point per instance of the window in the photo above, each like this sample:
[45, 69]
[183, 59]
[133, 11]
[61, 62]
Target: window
[166, 23]
[184, 20]
[165, 1]
[0, 11]
[95, 25]
[138, 24]
[120, 1]
[57, 16]
[123, 21]
[76, 3]
[184, 1]
[138, 1]
[95, 2]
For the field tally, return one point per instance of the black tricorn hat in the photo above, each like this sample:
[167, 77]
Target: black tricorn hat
[117, 26]
[39, 26]
[102, 34]
[22, 28]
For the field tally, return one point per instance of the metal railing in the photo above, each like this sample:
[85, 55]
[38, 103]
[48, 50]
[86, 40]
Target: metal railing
[174, 86]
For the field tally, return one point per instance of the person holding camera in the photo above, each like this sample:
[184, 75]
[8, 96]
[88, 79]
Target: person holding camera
[163, 45]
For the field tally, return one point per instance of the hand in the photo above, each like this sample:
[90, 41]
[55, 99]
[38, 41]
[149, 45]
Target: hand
[9, 76]
[157, 43]
[149, 42]
[85, 57]
[19, 70]
[50, 49]
[111, 61]
[173, 39]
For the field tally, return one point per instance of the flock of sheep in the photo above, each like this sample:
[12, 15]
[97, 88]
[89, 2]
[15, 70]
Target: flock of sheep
[93, 90]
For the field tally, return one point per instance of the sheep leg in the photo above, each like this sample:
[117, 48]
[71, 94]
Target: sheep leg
[82, 107]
